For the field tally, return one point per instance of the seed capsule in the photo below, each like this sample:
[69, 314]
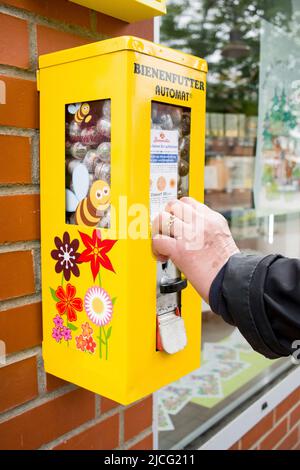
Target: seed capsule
[166, 122]
[90, 160]
[74, 131]
[176, 115]
[186, 123]
[183, 167]
[78, 150]
[90, 136]
[184, 148]
[104, 152]
[105, 220]
[106, 109]
[102, 172]
[104, 129]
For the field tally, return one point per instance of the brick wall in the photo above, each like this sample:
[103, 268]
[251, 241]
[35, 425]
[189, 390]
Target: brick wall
[279, 430]
[38, 410]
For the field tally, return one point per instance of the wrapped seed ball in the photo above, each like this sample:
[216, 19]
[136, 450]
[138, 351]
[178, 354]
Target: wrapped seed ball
[154, 112]
[71, 164]
[183, 167]
[90, 136]
[106, 109]
[78, 150]
[105, 220]
[90, 160]
[184, 148]
[186, 123]
[102, 172]
[74, 131]
[176, 115]
[104, 128]
[104, 151]
[166, 122]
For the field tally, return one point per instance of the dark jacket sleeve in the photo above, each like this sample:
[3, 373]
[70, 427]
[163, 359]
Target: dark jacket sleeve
[261, 296]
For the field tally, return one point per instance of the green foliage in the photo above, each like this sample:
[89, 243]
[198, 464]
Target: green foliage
[202, 28]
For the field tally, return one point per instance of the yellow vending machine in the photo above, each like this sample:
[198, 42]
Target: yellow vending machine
[122, 132]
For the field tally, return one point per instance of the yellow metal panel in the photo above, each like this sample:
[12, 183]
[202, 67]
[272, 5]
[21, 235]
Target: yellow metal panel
[118, 44]
[133, 368]
[127, 10]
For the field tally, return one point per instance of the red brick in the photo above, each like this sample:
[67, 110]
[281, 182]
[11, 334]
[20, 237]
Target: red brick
[52, 40]
[257, 431]
[26, 319]
[235, 446]
[137, 418]
[285, 406]
[17, 277]
[144, 444]
[277, 433]
[295, 416]
[62, 10]
[102, 436]
[15, 160]
[54, 383]
[107, 405]
[48, 421]
[14, 40]
[114, 27]
[290, 441]
[18, 383]
[19, 218]
[21, 108]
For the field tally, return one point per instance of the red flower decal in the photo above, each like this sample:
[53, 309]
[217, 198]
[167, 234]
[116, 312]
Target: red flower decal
[68, 303]
[90, 344]
[95, 252]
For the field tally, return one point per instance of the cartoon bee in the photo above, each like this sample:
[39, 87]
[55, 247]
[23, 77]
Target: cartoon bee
[81, 111]
[88, 204]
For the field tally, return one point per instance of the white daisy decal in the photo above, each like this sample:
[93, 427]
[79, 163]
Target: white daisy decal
[98, 305]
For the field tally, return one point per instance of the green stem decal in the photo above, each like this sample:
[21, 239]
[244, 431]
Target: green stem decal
[99, 279]
[62, 279]
[100, 342]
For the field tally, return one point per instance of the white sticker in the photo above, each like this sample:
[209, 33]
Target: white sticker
[164, 169]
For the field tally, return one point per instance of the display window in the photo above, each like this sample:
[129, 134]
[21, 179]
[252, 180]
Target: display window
[251, 176]
[87, 160]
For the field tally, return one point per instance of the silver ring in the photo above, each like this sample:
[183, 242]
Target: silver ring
[171, 221]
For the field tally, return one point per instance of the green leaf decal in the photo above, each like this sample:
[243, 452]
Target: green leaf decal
[54, 295]
[113, 300]
[108, 332]
[72, 327]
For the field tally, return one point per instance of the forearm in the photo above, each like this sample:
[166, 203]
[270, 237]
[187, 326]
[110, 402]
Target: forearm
[260, 295]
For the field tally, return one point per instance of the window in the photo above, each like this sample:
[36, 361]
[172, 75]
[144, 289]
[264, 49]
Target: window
[252, 150]
[87, 160]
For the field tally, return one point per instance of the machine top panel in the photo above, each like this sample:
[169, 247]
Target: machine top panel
[122, 43]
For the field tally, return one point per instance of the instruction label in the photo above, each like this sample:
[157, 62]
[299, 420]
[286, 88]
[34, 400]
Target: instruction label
[163, 169]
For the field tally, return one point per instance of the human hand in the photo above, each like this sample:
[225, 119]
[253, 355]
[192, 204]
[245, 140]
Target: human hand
[197, 240]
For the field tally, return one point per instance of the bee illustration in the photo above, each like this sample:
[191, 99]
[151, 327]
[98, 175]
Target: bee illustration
[81, 111]
[88, 204]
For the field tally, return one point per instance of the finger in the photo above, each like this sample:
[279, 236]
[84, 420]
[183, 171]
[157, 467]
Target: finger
[184, 212]
[163, 247]
[170, 225]
[194, 203]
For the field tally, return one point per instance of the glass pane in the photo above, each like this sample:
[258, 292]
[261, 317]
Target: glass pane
[169, 179]
[88, 171]
[247, 102]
